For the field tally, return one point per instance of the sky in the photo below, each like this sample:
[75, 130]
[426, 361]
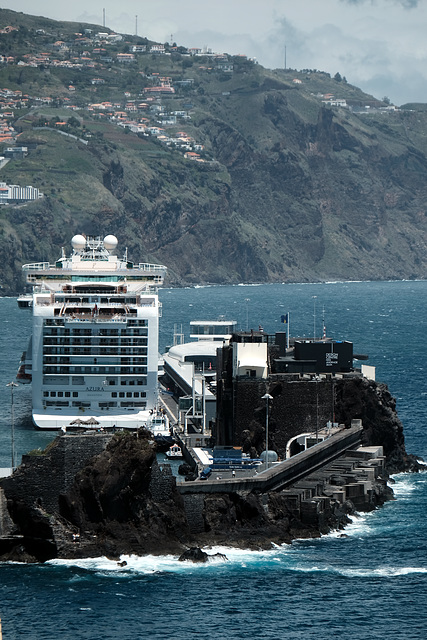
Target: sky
[378, 45]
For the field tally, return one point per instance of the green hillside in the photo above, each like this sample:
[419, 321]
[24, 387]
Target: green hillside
[218, 168]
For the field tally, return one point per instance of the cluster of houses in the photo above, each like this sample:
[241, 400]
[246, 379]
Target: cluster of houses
[7, 132]
[91, 50]
[146, 116]
[149, 118]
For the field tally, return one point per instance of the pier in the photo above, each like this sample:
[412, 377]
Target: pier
[282, 474]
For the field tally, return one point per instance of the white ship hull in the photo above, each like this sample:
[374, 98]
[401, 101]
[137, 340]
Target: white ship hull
[95, 338]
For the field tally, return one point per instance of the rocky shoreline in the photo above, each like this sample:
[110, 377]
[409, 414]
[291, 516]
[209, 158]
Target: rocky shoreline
[90, 495]
[121, 502]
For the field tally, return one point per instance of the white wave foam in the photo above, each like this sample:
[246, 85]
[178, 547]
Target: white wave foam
[381, 572]
[139, 564]
[407, 483]
[151, 564]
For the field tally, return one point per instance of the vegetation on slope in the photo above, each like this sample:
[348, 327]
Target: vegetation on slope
[289, 187]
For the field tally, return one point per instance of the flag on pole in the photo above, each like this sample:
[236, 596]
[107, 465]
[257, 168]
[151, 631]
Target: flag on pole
[285, 319]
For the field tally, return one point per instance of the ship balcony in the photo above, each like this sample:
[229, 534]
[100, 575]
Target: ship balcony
[50, 350]
[95, 362]
[98, 343]
[96, 370]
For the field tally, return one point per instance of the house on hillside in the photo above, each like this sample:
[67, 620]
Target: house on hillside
[125, 58]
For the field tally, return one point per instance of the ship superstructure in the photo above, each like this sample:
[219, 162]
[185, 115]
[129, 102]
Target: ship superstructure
[95, 337]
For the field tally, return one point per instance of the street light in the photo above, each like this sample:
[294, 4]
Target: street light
[247, 300]
[266, 397]
[314, 318]
[12, 418]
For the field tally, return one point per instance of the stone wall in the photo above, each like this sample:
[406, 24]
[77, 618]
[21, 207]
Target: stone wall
[297, 407]
[41, 479]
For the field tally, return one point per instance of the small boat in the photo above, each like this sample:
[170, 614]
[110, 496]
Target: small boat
[24, 374]
[158, 424]
[25, 301]
[174, 451]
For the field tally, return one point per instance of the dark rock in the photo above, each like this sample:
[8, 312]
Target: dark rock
[184, 469]
[194, 554]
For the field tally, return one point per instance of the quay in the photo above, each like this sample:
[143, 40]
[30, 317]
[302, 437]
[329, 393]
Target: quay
[282, 474]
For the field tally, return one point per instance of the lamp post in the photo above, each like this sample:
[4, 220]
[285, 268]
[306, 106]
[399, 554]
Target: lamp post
[267, 397]
[12, 418]
[247, 300]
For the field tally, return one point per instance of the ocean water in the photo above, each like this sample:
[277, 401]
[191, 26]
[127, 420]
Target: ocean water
[372, 583]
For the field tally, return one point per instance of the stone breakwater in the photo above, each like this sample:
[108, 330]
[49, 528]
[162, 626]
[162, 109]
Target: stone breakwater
[91, 495]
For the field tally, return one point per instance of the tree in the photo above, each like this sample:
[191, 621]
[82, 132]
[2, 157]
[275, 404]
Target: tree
[337, 77]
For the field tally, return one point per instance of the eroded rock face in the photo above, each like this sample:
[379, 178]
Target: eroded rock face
[373, 403]
[120, 502]
[124, 498]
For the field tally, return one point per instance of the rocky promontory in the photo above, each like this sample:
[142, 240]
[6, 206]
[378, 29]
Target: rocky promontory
[97, 494]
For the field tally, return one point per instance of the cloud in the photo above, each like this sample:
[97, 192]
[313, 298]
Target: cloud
[407, 4]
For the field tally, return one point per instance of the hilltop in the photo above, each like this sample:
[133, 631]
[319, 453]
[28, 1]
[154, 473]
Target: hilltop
[206, 162]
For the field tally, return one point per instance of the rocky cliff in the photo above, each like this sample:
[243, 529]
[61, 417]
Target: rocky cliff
[107, 495]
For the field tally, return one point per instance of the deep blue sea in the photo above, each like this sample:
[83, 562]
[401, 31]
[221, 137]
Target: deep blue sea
[369, 585]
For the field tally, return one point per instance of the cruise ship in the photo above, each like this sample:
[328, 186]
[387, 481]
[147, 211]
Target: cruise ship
[94, 337]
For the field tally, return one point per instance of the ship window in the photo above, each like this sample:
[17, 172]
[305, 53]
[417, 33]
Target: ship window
[75, 394]
[67, 394]
[60, 394]
[53, 394]
[114, 394]
[45, 394]
[128, 394]
[121, 394]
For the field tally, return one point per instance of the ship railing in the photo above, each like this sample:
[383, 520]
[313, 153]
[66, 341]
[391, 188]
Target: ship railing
[86, 305]
[99, 318]
[145, 266]
[36, 266]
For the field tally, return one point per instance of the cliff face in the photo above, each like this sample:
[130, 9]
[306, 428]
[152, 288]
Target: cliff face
[373, 403]
[125, 500]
